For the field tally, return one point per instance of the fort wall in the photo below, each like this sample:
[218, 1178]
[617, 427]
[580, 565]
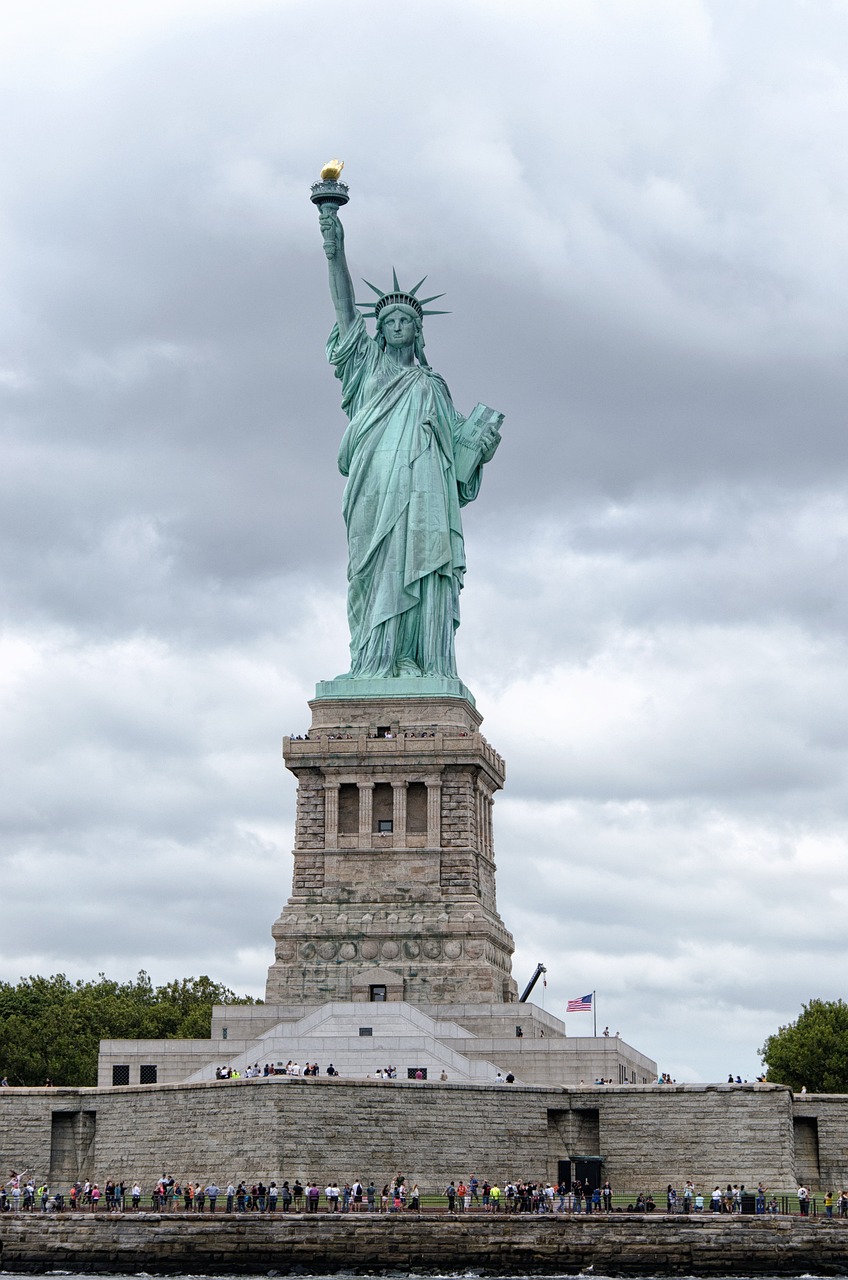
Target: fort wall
[279, 1127]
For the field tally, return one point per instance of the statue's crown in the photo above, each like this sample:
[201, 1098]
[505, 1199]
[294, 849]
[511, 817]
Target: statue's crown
[397, 295]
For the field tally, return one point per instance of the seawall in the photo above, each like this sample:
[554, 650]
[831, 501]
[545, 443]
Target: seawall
[621, 1245]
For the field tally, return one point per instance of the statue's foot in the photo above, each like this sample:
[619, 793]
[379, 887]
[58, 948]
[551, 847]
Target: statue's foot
[406, 667]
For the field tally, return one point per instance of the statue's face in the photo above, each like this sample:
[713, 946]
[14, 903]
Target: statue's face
[397, 327]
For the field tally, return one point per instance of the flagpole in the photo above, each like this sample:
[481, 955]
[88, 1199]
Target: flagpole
[594, 1013]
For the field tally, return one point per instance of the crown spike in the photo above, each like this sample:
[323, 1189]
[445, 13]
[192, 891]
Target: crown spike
[398, 295]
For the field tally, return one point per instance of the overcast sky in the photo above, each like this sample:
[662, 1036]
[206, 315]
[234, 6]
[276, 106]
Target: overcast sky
[637, 210]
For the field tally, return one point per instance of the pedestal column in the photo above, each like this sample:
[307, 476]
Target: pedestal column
[366, 814]
[399, 812]
[331, 814]
[434, 813]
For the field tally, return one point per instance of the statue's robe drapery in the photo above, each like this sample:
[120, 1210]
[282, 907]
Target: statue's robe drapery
[402, 510]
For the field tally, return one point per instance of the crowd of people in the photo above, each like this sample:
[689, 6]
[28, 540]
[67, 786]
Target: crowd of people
[291, 1068]
[23, 1193]
[273, 1069]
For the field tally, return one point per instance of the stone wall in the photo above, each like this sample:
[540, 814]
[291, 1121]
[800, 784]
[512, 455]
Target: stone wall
[432, 1132]
[619, 1245]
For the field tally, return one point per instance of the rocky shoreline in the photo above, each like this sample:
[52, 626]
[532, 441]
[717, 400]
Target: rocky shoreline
[621, 1245]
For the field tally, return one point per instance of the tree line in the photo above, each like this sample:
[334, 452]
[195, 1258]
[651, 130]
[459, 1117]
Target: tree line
[812, 1052]
[51, 1028]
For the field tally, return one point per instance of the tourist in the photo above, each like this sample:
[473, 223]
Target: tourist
[450, 1194]
[699, 1203]
[803, 1201]
[357, 1195]
[828, 1203]
[371, 1196]
[760, 1199]
[273, 1196]
[313, 1195]
[415, 1199]
[297, 1195]
[286, 1197]
[213, 1191]
[607, 1190]
[332, 1193]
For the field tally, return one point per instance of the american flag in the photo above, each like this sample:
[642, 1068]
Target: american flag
[583, 1004]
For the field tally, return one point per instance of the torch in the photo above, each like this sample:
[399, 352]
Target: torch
[329, 191]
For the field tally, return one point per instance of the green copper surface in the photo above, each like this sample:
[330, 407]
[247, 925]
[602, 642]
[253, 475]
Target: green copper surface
[412, 462]
[393, 687]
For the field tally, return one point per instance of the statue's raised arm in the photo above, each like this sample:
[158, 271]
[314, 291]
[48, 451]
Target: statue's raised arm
[341, 285]
[329, 195]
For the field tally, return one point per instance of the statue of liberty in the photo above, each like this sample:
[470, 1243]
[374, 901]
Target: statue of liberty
[411, 462]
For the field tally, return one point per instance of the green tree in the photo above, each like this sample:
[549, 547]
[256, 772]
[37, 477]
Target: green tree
[812, 1052]
[51, 1028]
